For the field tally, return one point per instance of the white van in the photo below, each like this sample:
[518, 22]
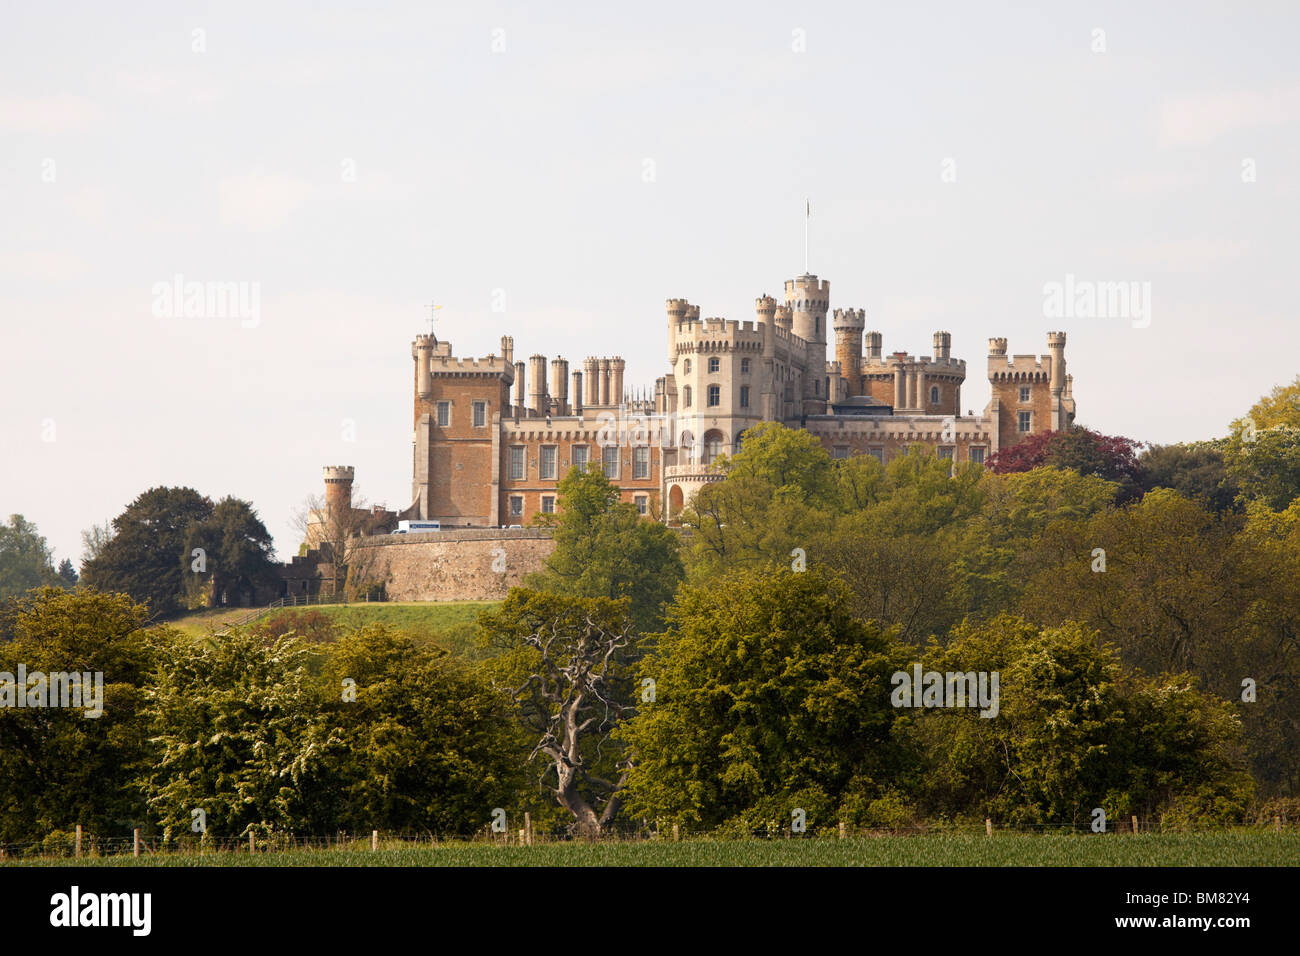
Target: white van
[404, 527]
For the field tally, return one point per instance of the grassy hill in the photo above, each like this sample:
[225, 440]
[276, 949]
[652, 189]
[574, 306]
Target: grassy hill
[447, 623]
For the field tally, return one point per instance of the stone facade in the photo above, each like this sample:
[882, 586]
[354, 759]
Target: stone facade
[461, 565]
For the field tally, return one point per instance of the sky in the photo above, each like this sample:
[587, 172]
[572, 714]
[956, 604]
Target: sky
[555, 171]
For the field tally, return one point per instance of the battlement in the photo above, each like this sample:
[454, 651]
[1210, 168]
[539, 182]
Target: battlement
[997, 347]
[446, 364]
[1020, 368]
[340, 472]
[849, 319]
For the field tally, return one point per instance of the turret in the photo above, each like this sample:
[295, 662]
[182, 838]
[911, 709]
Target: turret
[765, 307]
[616, 368]
[1056, 349]
[809, 298]
[338, 490]
[849, 324]
[537, 391]
[521, 401]
[560, 384]
[874, 345]
[997, 347]
[422, 352]
[591, 379]
[577, 393]
[604, 381]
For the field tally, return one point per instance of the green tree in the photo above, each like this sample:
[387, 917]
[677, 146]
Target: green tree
[605, 549]
[422, 743]
[57, 766]
[146, 557]
[25, 559]
[242, 736]
[769, 696]
[1198, 471]
[239, 553]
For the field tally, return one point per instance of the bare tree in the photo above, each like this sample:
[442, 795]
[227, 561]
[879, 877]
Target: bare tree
[336, 533]
[574, 697]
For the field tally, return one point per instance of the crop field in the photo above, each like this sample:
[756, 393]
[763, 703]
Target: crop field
[1224, 848]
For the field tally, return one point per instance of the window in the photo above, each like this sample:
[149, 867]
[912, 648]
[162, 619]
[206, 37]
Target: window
[686, 366]
[934, 395]
[945, 452]
[840, 451]
[1023, 420]
[579, 453]
[641, 462]
[712, 446]
[1024, 393]
[744, 396]
[480, 414]
[444, 414]
[609, 457]
[548, 504]
[516, 506]
[977, 455]
[686, 397]
[546, 467]
[877, 453]
[744, 366]
[642, 504]
[715, 395]
[714, 364]
[517, 461]
[816, 387]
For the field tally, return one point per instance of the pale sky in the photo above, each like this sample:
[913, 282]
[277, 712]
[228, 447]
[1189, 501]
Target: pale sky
[591, 160]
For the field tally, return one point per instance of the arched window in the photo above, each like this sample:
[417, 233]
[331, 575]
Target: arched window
[934, 395]
[712, 445]
[686, 366]
[686, 397]
[688, 447]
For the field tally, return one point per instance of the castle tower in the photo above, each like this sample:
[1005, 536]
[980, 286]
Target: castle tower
[338, 490]
[591, 379]
[521, 400]
[808, 298]
[560, 384]
[765, 307]
[422, 352]
[785, 318]
[577, 393]
[537, 391]
[676, 315]
[508, 349]
[849, 324]
[1056, 349]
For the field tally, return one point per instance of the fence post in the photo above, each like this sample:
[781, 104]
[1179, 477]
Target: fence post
[843, 830]
[252, 843]
[137, 842]
[528, 826]
[78, 839]
[988, 826]
[1135, 823]
[677, 833]
[374, 839]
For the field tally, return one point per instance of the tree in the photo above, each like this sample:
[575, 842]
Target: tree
[1266, 464]
[568, 668]
[57, 766]
[25, 559]
[146, 557]
[605, 549]
[1280, 407]
[769, 696]
[422, 742]
[93, 540]
[238, 551]
[1198, 471]
[241, 736]
[67, 573]
[1080, 449]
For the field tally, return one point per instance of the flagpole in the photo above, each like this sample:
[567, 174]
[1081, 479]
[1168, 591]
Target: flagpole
[807, 216]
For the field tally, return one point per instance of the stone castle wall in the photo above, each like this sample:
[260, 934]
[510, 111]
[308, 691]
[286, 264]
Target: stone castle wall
[458, 565]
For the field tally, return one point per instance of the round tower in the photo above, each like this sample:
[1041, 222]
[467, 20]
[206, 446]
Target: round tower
[874, 344]
[785, 318]
[338, 489]
[520, 385]
[422, 352]
[942, 345]
[849, 325]
[560, 383]
[537, 390]
[808, 298]
[616, 369]
[590, 379]
[997, 347]
[1056, 349]
[765, 307]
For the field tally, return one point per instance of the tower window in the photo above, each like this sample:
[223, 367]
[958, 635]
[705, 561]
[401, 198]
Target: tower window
[744, 366]
[714, 365]
[715, 395]
[517, 462]
[1024, 393]
[480, 414]
[934, 395]
[686, 366]
[686, 397]
[444, 414]
[744, 396]
[1023, 421]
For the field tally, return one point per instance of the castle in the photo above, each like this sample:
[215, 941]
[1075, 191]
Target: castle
[493, 436]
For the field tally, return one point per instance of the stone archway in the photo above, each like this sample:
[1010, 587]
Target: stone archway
[676, 500]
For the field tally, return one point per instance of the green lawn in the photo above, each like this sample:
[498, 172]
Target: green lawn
[1230, 848]
[449, 623]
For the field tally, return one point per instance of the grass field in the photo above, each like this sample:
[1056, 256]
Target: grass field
[1232, 848]
[448, 623]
